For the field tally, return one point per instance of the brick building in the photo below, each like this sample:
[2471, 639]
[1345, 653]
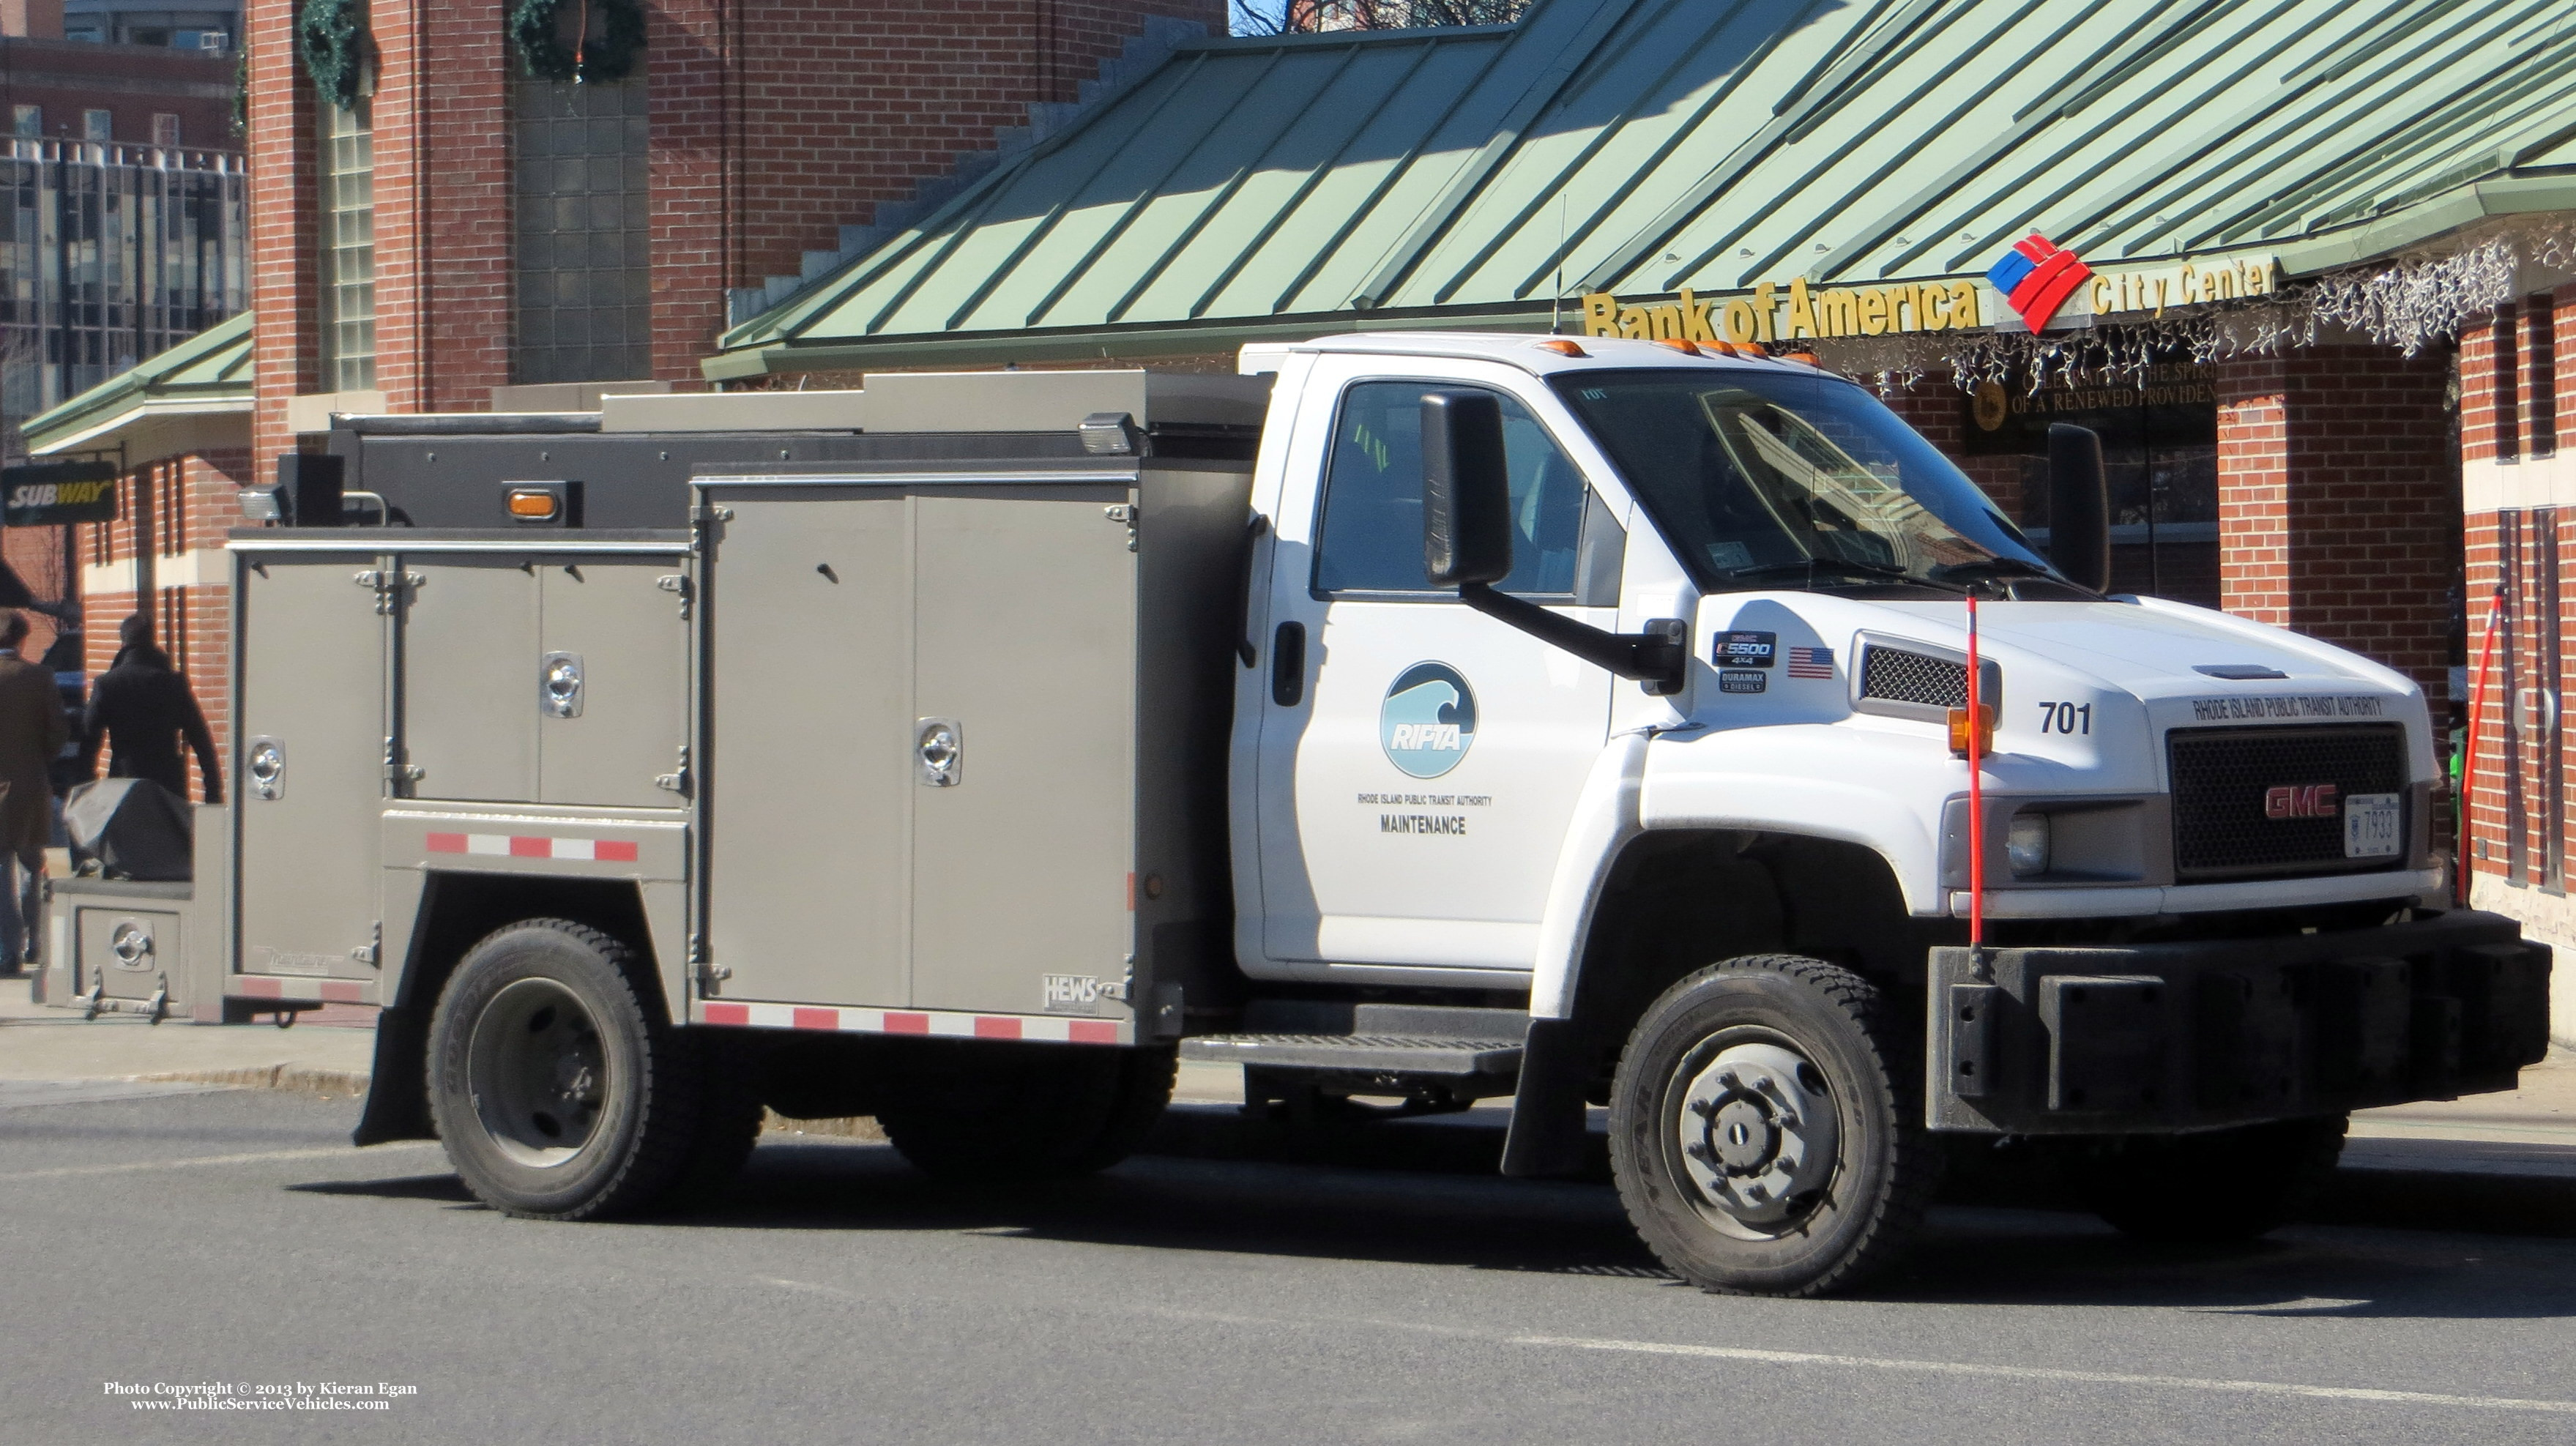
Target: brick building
[468, 237]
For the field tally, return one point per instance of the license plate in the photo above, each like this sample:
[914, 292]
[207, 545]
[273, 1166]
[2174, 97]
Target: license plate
[2370, 823]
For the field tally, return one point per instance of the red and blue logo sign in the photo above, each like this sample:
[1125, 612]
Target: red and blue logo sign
[2036, 277]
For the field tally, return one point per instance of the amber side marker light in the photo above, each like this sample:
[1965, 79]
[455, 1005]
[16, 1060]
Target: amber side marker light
[1684, 345]
[531, 504]
[1959, 732]
[1562, 347]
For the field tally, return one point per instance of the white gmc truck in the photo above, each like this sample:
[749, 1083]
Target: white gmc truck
[1412, 719]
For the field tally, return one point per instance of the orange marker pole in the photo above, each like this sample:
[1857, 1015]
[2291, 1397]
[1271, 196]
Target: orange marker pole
[1976, 791]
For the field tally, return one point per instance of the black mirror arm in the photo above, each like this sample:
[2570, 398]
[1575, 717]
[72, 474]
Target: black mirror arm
[1656, 657]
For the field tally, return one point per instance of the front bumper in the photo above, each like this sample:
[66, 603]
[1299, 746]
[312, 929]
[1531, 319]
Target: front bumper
[2188, 1036]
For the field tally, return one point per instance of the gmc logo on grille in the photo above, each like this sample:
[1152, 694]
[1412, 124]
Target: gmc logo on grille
[2314, 800]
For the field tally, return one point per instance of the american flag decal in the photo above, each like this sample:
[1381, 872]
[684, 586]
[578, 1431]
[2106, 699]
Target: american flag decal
[1811, 662]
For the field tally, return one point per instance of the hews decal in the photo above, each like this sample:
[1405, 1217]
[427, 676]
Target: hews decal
[1428, 720]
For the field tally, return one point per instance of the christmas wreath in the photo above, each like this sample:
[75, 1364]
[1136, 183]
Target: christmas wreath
[604, 49]
[338, 52]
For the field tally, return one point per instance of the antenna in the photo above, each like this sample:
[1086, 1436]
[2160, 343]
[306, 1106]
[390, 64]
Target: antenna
[1556, 303]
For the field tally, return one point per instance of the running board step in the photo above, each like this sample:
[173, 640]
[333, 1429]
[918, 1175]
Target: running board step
[1374, 1039]
[1392, 1054]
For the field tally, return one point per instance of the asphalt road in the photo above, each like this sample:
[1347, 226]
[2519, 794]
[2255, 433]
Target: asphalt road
[233, 1239]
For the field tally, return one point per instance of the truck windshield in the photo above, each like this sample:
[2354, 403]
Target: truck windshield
[1763, 479]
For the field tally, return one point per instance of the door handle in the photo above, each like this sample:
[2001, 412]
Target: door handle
[1288, 665]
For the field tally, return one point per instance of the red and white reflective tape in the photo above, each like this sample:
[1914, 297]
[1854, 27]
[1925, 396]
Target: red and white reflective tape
[270, 986]
[522, 846]
[942, 1024]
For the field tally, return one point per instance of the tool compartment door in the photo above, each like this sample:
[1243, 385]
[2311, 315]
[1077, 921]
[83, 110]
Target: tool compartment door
[1026, 598]
[469, 693]
[311, 651]
[808, 656]
[625, 632]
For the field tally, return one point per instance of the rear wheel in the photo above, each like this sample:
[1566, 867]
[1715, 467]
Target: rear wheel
[986, 1112]
[2225, 1185]
[1765, 1137]
[557, 1093]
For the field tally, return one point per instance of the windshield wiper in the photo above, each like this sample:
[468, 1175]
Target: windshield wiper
[1849, 567]
[1992, 567]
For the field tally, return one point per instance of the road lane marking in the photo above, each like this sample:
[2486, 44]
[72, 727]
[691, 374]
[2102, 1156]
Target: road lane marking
[2044, 1373]
[66, 1172]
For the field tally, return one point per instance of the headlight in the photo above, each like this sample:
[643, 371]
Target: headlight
[2026, 843]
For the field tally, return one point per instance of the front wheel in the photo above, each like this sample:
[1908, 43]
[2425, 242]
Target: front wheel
[1765, 1137]
[557, 1095]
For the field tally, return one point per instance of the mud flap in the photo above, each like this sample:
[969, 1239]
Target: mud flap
[1548, 1137]
[397, 1105]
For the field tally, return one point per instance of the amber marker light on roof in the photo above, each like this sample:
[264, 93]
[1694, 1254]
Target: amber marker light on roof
[1681, 344]
[532, 504]
[1562, 347]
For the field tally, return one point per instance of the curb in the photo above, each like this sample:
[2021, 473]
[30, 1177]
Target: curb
[327, 1083]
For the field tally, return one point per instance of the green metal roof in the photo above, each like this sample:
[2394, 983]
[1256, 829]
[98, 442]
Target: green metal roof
[1269, 187]
[208, 374]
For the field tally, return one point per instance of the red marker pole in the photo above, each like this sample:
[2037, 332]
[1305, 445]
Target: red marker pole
[2469, 754]
[1976, 790]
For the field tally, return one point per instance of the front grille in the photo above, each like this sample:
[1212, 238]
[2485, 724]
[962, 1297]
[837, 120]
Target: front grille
[1902, 677]
[2220, 778]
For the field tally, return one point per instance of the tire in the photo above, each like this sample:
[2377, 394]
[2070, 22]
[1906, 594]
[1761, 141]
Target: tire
[729, 1116]
[1766, 1133]
[559, 1096]
[2214, 1188]
[983, 1113]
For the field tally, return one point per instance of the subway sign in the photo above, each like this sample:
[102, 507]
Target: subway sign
[49, 494]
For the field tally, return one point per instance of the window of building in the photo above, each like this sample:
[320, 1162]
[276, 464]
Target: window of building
[98, 125]
[2540, 364]
[26, 120]
[2159, 436]
[585, 311]
[2506, 374]
[348, 250]
[165, 129]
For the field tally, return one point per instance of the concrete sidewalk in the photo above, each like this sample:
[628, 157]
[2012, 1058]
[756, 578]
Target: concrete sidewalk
[2528, 1132]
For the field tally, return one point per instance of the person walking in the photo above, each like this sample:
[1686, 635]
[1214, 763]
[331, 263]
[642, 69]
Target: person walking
[140, 708]
[33, 731]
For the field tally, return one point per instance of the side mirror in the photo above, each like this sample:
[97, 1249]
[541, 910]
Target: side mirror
[2079, 507]
[1466, 490]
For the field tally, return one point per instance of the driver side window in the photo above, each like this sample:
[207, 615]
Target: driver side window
[1370, 539]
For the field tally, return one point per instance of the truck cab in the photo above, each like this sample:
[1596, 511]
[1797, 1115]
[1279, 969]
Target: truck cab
[1420, 718]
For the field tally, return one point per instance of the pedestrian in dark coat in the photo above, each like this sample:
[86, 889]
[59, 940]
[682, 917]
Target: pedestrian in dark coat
[140, 708]
[32, 733]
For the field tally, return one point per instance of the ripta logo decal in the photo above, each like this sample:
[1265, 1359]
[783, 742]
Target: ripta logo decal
[1428, 720]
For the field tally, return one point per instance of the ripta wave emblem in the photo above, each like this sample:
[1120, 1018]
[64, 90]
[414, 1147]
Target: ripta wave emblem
[1428, 721]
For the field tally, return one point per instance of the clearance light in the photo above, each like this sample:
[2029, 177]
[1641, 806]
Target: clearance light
[1959, 731]
[1561, 347]
[1803, 358]
[1684, 345]
[533, 504]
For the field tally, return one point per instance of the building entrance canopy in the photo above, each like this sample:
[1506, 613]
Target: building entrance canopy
[1880, 162]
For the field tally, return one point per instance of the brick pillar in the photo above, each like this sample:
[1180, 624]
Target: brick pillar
[443, 205]
[284, 279]
[2518, 451]
[2339, 502]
